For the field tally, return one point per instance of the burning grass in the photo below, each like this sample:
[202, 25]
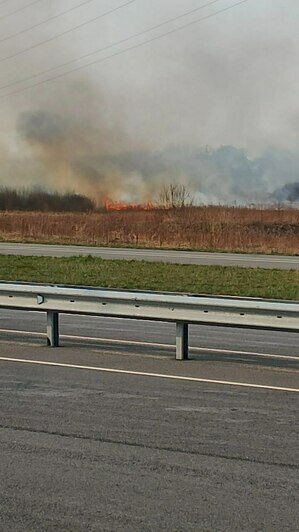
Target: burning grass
[274, 284]
[211, 228]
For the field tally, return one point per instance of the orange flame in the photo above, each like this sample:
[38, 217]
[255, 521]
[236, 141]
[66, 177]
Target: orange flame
[110, 205]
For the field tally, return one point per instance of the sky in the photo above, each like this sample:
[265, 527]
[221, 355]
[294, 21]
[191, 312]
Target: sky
[226, 80]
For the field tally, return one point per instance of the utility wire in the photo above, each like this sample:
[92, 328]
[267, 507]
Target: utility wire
[84, 56]
[128, 49]
[19, 9]
[18, 33]
[5, 2]
[37, 45]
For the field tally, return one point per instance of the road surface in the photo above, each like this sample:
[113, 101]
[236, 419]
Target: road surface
[110, 437]
[180, 257]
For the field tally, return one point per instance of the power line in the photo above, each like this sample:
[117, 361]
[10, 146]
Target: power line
[5, 2]
[128, 49]
[37, 45]
[19, 9]
[18, 33]
[122, 41]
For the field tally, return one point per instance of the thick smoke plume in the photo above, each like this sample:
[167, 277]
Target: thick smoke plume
[213, 108]
[74, 158]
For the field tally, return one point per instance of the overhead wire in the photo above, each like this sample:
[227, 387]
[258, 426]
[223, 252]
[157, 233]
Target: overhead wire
[4, 2]
[53, 17]
[19, 9]
[84, 56]
[54, 37]
[130, 48]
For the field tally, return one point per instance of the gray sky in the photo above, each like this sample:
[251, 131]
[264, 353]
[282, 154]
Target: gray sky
[229, 80]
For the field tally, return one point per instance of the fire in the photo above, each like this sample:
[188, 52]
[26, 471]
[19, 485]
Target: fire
[110, 205]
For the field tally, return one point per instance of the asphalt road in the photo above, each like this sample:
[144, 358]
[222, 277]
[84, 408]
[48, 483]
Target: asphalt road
[182, 257]
[87, 447]
[86, 450]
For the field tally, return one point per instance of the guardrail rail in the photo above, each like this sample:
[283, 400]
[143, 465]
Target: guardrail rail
[183, 309]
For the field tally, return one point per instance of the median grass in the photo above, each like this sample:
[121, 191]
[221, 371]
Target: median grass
[90, 271]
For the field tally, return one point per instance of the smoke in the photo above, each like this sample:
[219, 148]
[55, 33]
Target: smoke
[78, 156]
[289, 192]
[213, 108]
[67, 140]
[88, 149]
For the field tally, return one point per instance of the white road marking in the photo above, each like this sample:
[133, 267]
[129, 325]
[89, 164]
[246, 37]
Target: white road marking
[146, 374]
[154, 344]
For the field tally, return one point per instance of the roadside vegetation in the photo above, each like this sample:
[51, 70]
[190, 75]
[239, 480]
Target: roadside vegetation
[169, 221]
[205, 228]
[89, 271]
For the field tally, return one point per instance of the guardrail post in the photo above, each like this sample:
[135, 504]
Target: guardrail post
[181, 341]
[52, 329]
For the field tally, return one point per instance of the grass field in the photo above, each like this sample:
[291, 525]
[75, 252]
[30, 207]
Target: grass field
[276, 284]
[211, 228]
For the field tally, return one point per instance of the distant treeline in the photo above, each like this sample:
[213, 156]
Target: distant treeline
[40, 200]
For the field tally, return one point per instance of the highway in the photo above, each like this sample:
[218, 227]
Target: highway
[109, 432]
[180, 257]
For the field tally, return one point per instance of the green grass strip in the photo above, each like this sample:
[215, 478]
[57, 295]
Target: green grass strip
[142, 275]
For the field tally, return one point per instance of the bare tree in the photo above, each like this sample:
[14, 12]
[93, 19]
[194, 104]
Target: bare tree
[174, 196]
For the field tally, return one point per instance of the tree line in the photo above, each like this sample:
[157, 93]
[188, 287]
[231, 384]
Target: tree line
[40, 200]
[170, 196]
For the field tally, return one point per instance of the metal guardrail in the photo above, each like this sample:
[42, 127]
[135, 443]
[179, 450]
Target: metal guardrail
[183, 309]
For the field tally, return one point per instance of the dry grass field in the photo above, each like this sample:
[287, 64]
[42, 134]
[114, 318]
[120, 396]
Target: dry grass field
[239, 229]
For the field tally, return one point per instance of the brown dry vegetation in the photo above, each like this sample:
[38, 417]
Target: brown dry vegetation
[265, 230]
